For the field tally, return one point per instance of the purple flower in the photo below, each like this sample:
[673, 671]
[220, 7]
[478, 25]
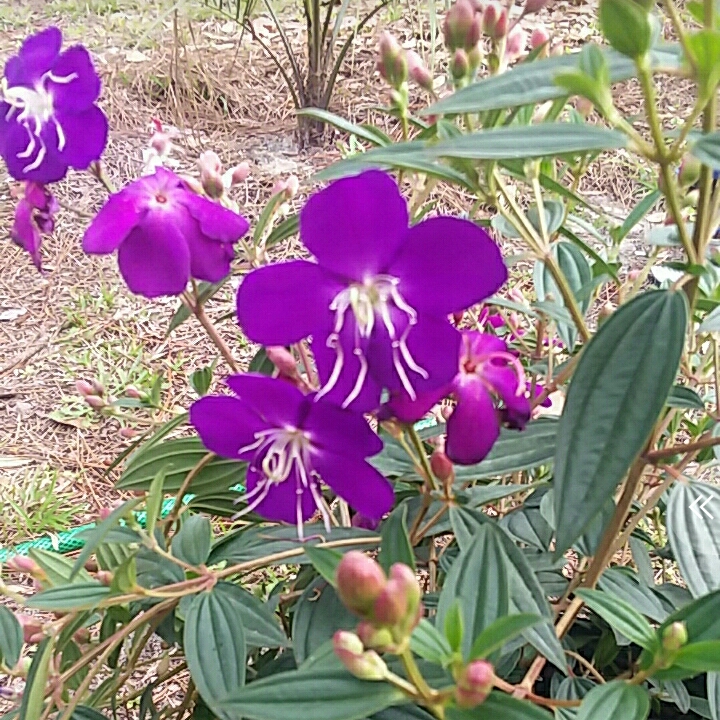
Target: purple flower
[33, 218]
[377, 300]
[292, 445]
[165, 234]
[48, 117]
[488, 373]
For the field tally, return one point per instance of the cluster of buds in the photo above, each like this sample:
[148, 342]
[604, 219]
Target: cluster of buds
[215, 183]
[157, 152]
[93, 393]
[389, 606]
[289, 187]
[462, 30]
[362, 663]
[397, 65]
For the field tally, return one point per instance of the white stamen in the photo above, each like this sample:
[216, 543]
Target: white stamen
[377, 296]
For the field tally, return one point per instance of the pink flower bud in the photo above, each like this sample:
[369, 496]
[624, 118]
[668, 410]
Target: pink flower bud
[24, 564]
[366, 665]
[442, 466]
[209, 162]
[98, 387]
[557, 49]
[84, 388]
[380, 639]
[95, 402]
[474, 684]
[292, 185]
[160, 143]
[533, 6]
[495, 21]
[283, 360]
[212, 184]
[539, 36]
[105, 577]
[392, 64]
[104, 513]
[359, 581]
[132, 392]
[398, 603]
[462, 26]
[237, 175]
[633, 275]
[459, 64]
[31, 627]
[418, 71]
[516, 42]
[458, 317]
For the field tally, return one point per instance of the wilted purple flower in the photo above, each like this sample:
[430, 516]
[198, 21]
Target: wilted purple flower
[165, 234]
[48, 117]
[488, 372]
[34, 216]
[378, 298]
[292, 445]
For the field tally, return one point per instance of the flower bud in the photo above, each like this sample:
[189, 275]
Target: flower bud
[495, 21]
[236, 175]
[442, 466]
[160, 143]
[380, 639]
[633, 275]
[132, 392]
[689, 171]
[533, 6]
[82, 636]
[105, 577]
[462, 26]
[31, 627]
[515, 46]
[392, 64]
[209, 162]
[84, 388]
[418, 71]
[359, 581]
[474, 684]
[98, 387]
[24, 564]
[458, 317]
[212, 184]
[459, 64]
[391, 606]
[283, 360]
[606, 311]
[539, 36]
[292, 185]
[366, 665]
[95, 402]
[674, 636]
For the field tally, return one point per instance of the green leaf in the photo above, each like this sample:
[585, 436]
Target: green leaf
[453, 625]
[713, 694]
[214, 643]
[707, 150]
[100, 532]
[619, 389]
[694, 534]
[615, 699]
[33, 698]
[711, 323]
[624, 584]
[684, 397]
[201, 379]
[499, 706]
[58, 568]
[503, 630]
[342, 124]
[699, 657]
[515, 451]
[429, 643]
[626, 26]
[181, 455]
[701, 618]
[636, 215]
[704, 46]
[620, 616]
[283, 230]
[395, 545]
[11, 638]
[261, 363]
[78, 596]
[479, 579]
[325, 694]
[318, 615]
[192, 542]
[325, 561]
[530, 83]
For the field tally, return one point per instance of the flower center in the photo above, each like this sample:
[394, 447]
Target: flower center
[371, 303]
[282, 454]
[33, 108]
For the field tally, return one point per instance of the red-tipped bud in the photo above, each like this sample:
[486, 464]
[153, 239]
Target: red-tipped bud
[380, 639]
[236, 175]
[95, 402]
[392, 64]
[104, 513]
[474, 684]
[366, 665]
[418, 71]
[533, 6]
[458, 317]
[84, 388]
[539, 36]
[209, 162]
[442, 466]
[689, 171]
[27, 565]
[516, 42]
[31, 627]
[132, 392]
[105, 577]
[495, 21]
[462, 26]
[391, 606]
[160, 143]
[359, 581]
[283, 360]
[459, 64]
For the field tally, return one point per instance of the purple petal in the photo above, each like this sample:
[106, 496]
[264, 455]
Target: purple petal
[111, 225]
[276, 401]
[447, 265]
[85, 136]
[209, 259]
[281, 502]
[473, 426]
[368, 398]
[37, 55]
[477, 345]
[16, 141]
[356, 482]
[25, 233]
[154, 258]
[341, 431]
[502, 379]
[216, 221]
[354, 226]
[406, 410]
[80, 92]
[225, 425]
[284, 303]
